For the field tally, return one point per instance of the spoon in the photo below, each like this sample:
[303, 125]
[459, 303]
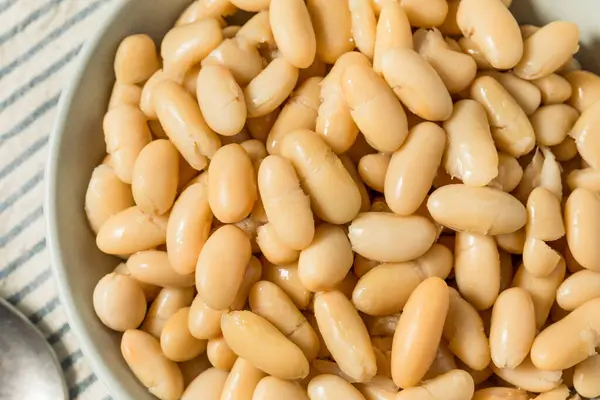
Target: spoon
[29, 368]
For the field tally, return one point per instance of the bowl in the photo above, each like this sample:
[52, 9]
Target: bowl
[77, 146]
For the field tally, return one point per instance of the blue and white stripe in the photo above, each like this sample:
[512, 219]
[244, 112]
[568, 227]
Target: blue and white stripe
[39, 43]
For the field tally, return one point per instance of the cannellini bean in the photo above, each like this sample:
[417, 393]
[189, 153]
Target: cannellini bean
[470, 153]
[374, 107]
[242, 381]
[482, 210]
[239, 56]
[333, 40]
[208, 385]
[269, 89]
[345, 335]
[152, 266]
[401, 278]
[255, 339]
[176, 341]
[124, 93]
[546, 50]
[552, 123]
[119, 302]
[293, 31]
[270, 302]
[143, 355]
[182, 120]
[167, 303]
[513, 328]
[453, 385]
[425, 13]
[419, 331]
[271, 388]
[331, 387]
[494, 29]
[525, 93]
[526, 376]
[511, 129]
[581, 210]
[372, 168]
[364, 26]
[136, 59]
[273, 249]
[393, 30]
[585, 88]
[371, 235]
[417, 84]
[554, 89]
[586, 375]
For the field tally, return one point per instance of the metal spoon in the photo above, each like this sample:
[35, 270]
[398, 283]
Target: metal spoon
[29, 368]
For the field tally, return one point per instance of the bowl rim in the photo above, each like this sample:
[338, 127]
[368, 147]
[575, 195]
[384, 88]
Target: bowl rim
[90, 351]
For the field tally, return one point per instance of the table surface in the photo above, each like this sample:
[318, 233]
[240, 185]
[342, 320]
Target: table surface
[39, 43]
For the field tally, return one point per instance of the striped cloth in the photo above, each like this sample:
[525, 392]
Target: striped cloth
[39, 43]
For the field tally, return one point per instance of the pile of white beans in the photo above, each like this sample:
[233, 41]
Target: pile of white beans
[353, 199]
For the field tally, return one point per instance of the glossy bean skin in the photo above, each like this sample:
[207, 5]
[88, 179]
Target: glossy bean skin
[126, 133]
[155, 177]
[188, 227]
[229, 265]
[143, 355]
[364, 26]
[586, 178]
[417, 84]
[586, 375]
[333, 39]
[130, 231]
[167, 302]
[419, 331]
[577, 289]
[187, 45]
[345, 335]
[402, 278]
[286, 205]
[324, 387]
[372, 169]
[581, 209]
[220, 355]
[182, 120]
[106, 195]
[293, 31]
[469, 47]
[251, 5]
[374, 108]
[464, 332]
[326, 261]
[205, 9]
[232, 188]
[470, 157]
[334, 195]
[119, 302]
[477, 268]
[406, 185]
[176, 341]
[554, 89]
[371, 235]
[513, 328]
[273, 249]
[153, 267]
[393, 30]
[541, 290]
[547, 50]
[525, 93]
[239, 56]
[526, 376]
[263, 95]
[585, 88]
[511, 129]
[271, 388]
[203, 321]
[560, 393]
[208, 385]
[453, 385]
[509, 175]
[241, 381]
[123, 93]
[253, 338]
[494, 29]
[481, 210]
[456, 69]
[299, 112]
[583, 132]
[270, 302]
[221, 100]
[425, 14]
[136, 59]
[497, 393]
[552, 123]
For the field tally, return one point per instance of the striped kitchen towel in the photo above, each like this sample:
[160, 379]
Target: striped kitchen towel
[39, 43]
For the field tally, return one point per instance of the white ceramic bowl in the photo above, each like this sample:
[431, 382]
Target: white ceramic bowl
[77, 146]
